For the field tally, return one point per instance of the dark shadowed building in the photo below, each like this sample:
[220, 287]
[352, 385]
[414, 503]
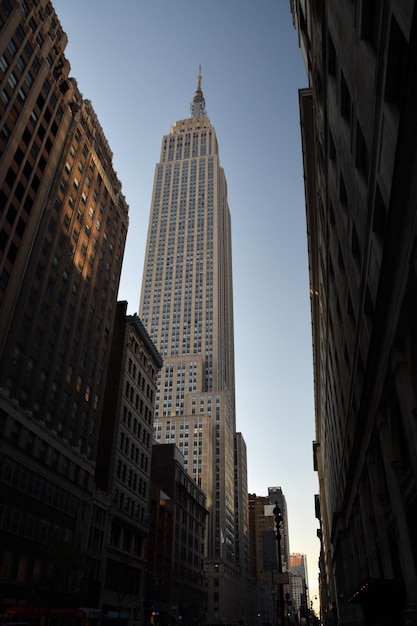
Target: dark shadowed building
[359, 138]
[124, 467]
[176, 583]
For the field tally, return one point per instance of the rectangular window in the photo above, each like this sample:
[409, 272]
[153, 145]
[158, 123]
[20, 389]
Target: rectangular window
[3, 64]
[28, 50]
[36, 66]
[343, 195]
[6, 565]
[370, 21]
[12, 80]
[12, 47]
[331, 57]
[356, 249]
[29, 79]
[361, 155]
[397, 55]
[20, 33]
[380, 216]
[345, 99]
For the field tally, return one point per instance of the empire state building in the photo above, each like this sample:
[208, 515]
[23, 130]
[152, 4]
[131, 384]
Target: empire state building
[187, 307]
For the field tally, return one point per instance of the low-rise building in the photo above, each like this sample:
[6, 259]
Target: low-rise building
[176, 581]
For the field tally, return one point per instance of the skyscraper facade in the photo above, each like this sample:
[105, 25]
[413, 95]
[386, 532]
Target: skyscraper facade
[359, 136]
[63, 225]
[187, 307]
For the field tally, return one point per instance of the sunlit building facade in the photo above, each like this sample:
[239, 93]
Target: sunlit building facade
[63, 225]
[241, 504]
[299, 584]
[187, 307]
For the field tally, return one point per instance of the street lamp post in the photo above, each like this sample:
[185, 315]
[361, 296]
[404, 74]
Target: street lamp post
[278, 522]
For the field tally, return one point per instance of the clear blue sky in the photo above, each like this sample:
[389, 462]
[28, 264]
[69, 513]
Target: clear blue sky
[137, 61]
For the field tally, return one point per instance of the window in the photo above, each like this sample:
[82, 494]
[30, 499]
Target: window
[28, 49]
[3, 64]
[370, 21]
[356, 249]
[331, 57]
[30, 364]
[21, 64]
[12, 80]
[16, 355]
[12, 47]
[36, 67]
[345, 99]
[20, 33]
[29, 79]
[361, 156]
[380, 216]
[397, 55]
[332, 147]
[343, 196]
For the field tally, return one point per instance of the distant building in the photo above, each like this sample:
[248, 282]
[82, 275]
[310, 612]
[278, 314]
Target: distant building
[263, 555]
[176, 586]
[299, 582]
[124, 466]
[63, 226]
[248, 589]
[359, 141]
[263, 550]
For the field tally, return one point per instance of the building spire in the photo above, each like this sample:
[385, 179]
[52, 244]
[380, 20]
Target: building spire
[198, 105]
